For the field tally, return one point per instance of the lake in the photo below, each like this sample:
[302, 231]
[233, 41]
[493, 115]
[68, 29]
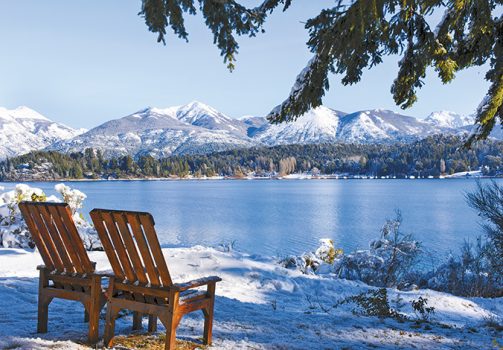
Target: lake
[272, 217]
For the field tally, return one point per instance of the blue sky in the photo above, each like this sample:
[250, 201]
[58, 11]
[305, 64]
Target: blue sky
[85, 62]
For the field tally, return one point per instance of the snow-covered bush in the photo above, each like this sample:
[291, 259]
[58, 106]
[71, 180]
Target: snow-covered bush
[320, 261]
[73, 197]
[373, 303]
[13, 230]
[478, 270]
[389, 262]
[469, 274]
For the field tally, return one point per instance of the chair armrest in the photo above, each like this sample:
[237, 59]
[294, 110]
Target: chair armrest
[180, 287]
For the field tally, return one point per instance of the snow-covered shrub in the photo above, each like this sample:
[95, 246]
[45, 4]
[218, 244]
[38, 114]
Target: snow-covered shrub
[321, 261]
[423, 312]
[469, 274]
[373, 303]
[389, 262]
[73, 197]
[13, 230]
[478, 270]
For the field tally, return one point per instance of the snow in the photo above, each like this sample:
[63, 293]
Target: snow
[448, 119]
[23, 130]
[191, 128]
[318, 125]
[462, 174]
[259, 305]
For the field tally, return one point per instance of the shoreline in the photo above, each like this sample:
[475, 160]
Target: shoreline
[221, 178]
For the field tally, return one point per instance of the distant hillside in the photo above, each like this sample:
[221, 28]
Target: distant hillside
[197, 128]
[428, 157]
[23, 130]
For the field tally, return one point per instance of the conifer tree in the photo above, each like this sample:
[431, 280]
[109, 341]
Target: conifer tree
[356, 34]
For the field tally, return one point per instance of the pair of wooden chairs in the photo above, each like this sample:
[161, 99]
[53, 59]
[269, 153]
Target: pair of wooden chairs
[140, 281]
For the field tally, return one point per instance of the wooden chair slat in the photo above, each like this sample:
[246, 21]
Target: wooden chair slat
[48, 240]
[119, 246]
[130, 247]
[107, 244]
[70, 243]
[58, 240]
[37, 238]
[148, 227]
[167, 302]
[152, 273]
[66, 216]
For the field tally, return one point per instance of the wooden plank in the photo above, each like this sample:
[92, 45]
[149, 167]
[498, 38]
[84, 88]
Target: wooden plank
[58, 240]
[155, 248]
[130, 247]
[46, 257]
[70, 280]
[107, 244]
[196, 283]
[56, 217]
[66, 217]
[119, 246]
[161, 292]
[152, 273]
[46, 237]
[51, 221]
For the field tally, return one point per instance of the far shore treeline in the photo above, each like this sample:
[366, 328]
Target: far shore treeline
[432, 156]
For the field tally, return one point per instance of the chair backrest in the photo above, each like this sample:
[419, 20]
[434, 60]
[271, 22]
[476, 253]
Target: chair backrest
[54, 232]
[132, 246]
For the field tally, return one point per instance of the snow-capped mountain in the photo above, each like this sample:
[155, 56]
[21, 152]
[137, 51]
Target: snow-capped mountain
[319, 125]
[325, 125]
[23, 130]
[199, 114]
[199, 128]
[446, 119]
[192, 128]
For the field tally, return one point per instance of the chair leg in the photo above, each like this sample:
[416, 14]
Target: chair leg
[109, 325]
[137, 321]
[208, 325]
[43, 302]
[152, 323]
[208, 315]
[94, 310]
[43, 313]
[170, 334]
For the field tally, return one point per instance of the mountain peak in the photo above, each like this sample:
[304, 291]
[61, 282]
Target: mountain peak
[23, 112]
[23, 130]
[448, 119]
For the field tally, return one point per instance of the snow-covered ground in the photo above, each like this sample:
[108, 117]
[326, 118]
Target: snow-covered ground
[259, 305]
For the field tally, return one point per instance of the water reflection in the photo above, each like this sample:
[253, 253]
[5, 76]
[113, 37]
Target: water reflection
[282, 217]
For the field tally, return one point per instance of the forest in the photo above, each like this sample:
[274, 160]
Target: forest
[433, 156]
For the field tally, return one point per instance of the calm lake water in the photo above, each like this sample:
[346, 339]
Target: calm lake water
[281, 217]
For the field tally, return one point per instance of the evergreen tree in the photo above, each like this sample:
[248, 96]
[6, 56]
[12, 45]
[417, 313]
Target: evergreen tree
[355, 34]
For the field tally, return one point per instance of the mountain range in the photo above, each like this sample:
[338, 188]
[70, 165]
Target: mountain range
[23, 130]
[199, 128]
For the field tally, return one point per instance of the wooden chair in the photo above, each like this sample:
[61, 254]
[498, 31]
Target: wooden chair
[142, 282]
[68, 273]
